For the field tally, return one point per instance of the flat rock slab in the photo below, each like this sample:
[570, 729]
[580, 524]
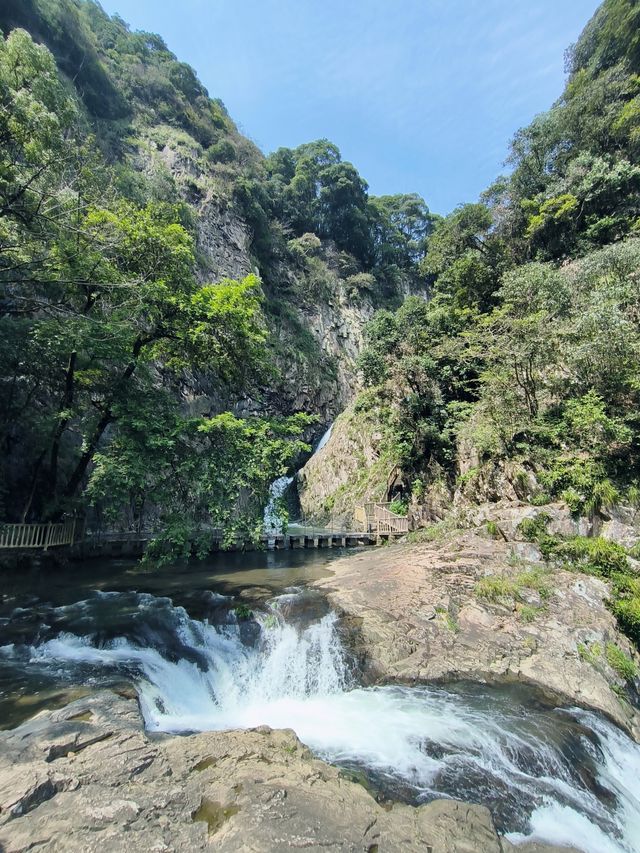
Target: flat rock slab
[88, 778]
[416, 616]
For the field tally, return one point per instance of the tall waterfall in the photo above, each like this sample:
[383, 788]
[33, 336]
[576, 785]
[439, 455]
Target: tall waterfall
[566, 776]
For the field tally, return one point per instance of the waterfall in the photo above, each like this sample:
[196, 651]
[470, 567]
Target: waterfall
[565, 776]
[271, 519]
[325, 438]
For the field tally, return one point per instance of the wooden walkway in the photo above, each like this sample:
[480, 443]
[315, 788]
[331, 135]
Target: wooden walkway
[375, 522]
[134, 544]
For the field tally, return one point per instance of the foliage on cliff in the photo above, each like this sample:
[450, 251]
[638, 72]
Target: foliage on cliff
[112, 151]
[99, 308]
[530, 346]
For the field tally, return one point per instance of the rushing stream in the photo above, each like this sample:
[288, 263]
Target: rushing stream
[564, 775]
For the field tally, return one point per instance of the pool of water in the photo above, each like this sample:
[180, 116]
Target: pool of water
[240, 641]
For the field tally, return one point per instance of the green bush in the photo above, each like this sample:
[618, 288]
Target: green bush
[243, 612]
[528, 613]
[621, 662]
[496, 588]
[221, 152]
[541, 499]
[627, 612]
[590, 653]
[493, 530]
[500, 588]
[534, 528]
[573, 499]
[398, 506]
[595, 555]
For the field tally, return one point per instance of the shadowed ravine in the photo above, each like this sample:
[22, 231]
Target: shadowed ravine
[562, 775]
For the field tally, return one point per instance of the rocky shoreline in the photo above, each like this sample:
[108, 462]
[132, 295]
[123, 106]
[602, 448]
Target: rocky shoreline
[414, 614]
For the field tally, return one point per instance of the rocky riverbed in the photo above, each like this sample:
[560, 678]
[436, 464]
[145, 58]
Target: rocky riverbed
[88, 778]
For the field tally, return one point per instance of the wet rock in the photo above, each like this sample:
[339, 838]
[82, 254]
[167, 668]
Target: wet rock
[258, 790]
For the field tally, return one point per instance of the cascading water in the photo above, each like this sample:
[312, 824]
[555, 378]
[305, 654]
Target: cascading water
[272, 520]
[565, 776]
[325, 438]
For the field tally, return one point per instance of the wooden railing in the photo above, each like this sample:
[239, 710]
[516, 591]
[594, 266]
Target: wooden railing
[390, 522]
[44, 536]
[378, 518]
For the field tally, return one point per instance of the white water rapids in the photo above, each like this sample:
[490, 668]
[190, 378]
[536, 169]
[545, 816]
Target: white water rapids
[564, 776]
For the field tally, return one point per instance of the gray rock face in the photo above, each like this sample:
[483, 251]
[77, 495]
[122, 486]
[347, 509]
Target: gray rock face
[87, 778]
[340, 475]
[331, 322]
[417, 615]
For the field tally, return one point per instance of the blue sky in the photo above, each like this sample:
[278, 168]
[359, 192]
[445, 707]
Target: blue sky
[421, 95]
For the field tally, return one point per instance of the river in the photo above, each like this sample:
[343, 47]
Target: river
[241, 640]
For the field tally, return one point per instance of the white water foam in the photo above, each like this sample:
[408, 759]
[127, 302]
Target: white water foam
[298, 679]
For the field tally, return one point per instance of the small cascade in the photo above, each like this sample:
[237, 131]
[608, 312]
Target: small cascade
[273, 524]
[564, 776]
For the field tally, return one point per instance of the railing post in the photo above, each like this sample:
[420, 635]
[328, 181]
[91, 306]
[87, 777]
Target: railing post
[47, 538]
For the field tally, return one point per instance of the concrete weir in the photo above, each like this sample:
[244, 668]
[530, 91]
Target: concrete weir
[321, 540]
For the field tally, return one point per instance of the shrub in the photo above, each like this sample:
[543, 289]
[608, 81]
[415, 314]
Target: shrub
[398, 506]
[603, 494]
[633, 495]
[496, 588]
[573, 499]
[221, 152]
[500, 588]
[541, 499]
[534, 528]
[621, 662]
[591, 653]
[417, 489]
[627, 612]
[361, 282]
[595, 556]
[493, 530]
[528, 613]
[306, 246]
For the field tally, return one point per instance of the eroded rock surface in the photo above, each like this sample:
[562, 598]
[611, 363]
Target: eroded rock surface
[416, 615]
[88, 778]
